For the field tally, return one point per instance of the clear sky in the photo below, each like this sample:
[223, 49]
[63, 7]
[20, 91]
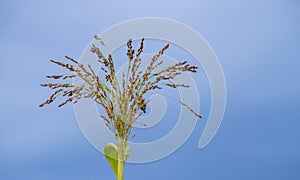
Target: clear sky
[258, 45]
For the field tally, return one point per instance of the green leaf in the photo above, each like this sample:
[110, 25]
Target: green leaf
[111, 154]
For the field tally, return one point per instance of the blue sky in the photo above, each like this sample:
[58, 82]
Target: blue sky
[258, 45]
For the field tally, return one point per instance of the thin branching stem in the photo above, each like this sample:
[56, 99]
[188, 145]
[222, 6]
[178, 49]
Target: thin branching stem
[124, 103]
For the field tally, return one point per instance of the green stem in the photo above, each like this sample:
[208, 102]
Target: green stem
[121, 163]
[120, 170]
